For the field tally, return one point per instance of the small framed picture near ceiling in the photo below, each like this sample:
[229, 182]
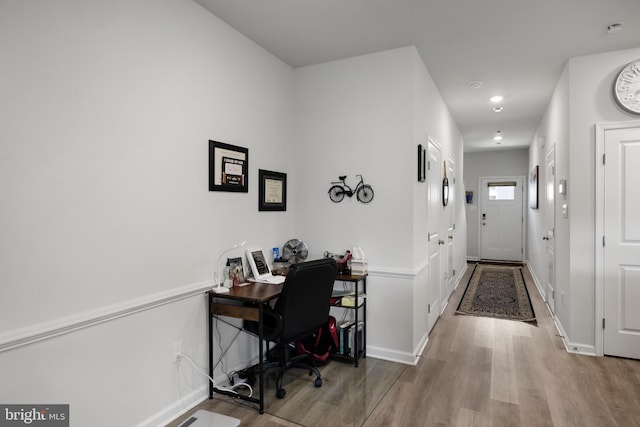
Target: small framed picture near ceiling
[533, 188]
[272, 191]
[228, 167]
[422, 173]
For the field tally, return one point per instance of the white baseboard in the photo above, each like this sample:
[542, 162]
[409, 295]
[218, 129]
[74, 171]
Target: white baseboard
[569, 346]
[392, 355]
[422, 345]
[177, 409]
[460, 275]
[538, 285]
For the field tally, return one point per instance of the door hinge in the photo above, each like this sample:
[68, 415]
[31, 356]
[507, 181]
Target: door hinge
[454, 226]
[428, 237]
[553, 294]
[604, 159]
[454, 272]
[454, 180]
[602, 323]
[429, 308]
[603, 241]
[429, 165]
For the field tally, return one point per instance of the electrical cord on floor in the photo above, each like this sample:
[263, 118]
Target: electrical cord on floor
[198, 370]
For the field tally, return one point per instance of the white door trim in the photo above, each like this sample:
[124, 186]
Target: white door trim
[601, 128]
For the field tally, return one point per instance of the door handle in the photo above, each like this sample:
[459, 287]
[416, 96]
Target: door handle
[545, 238]
[441, 242]
[450, 237]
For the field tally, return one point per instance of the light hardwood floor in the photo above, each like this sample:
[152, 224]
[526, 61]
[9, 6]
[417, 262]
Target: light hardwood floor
[475, 372]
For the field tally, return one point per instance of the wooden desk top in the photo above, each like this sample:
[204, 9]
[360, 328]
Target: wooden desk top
[254, 292]
[263, 292]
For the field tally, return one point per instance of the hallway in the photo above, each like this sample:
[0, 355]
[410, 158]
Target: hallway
[488, 372]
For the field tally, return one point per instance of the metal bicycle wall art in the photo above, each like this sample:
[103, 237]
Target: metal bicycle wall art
[339, 189]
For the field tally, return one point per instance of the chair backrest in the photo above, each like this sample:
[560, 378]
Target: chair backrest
[306, 297]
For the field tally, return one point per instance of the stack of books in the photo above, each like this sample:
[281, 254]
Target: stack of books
[347, 337]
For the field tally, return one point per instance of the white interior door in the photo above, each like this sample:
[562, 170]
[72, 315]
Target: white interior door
[550, 220]
[434, 237]
[501, 218]
[621, 242]
[450, 275]
[451, 228]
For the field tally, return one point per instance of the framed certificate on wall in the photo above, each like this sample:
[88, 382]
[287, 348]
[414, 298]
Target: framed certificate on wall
[272, 192]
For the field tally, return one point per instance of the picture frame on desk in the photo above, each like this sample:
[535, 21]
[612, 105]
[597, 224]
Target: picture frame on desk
[272, 191]
[236, 271]
[228, 167]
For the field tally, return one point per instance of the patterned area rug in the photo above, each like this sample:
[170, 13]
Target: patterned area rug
[497, 291]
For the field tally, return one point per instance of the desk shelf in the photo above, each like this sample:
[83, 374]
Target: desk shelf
[357, 282]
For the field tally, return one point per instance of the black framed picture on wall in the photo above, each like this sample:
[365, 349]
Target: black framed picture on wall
[228, 167]
[272, 191]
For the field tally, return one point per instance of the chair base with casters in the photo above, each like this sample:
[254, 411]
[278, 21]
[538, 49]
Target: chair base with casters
[280, 360]
[300, 311]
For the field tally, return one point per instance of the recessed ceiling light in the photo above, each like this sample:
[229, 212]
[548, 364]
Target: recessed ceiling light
[476, 84]
[498, 136]
[498, 109]
[496, 99]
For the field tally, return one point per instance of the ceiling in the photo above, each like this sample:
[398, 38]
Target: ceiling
[516, 48]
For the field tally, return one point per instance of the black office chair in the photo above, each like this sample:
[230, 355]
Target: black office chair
[301, 309]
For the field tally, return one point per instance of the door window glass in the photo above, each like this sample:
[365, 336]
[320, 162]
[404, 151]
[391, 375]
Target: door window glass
[502, 191]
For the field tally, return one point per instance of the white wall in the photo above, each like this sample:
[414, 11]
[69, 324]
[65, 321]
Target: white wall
[512, 162]
[586, 88]
[106, 110]
[552, 134]
[433, 120]
[366, 115]
[355, 116]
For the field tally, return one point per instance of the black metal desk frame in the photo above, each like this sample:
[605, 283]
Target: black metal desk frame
[230, 304]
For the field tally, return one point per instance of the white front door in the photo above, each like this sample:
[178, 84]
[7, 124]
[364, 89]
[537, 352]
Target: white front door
[434, 237]
[621, 242]
[550, 219]
[501, 218]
